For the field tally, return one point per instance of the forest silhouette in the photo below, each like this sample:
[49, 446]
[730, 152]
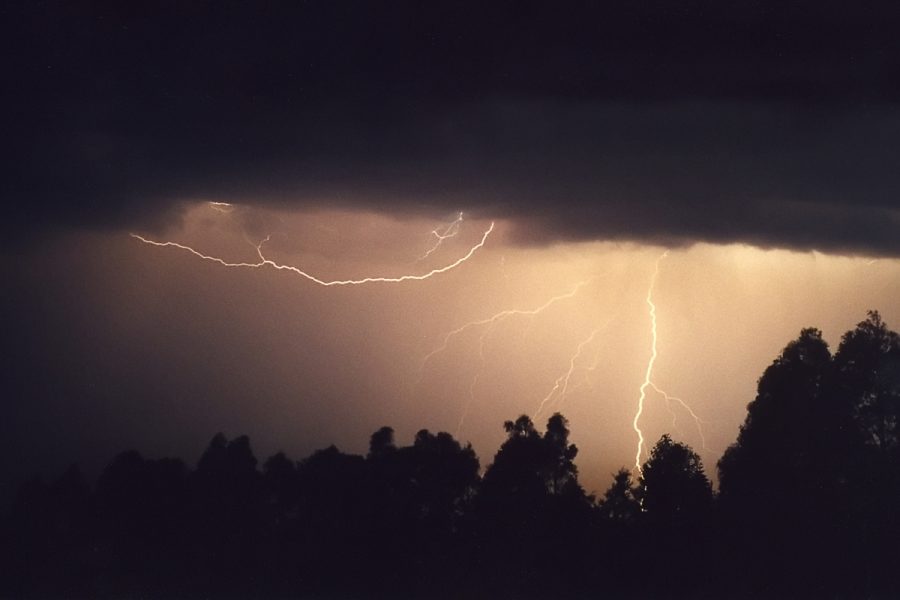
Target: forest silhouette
[807, 506]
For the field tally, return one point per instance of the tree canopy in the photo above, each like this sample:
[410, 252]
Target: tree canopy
[807, 507]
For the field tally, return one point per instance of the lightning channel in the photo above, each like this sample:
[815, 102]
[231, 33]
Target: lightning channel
[561, 385]
[648, 382]
[648, 374]
[222, 207]
[489, 323]
[499, 317]
[697, 420]
[266, 262]
[440, 235]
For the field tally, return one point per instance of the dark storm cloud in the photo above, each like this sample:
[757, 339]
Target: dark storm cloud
[718, 121]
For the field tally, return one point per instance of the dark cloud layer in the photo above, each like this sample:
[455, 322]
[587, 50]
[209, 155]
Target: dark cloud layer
[718, 121]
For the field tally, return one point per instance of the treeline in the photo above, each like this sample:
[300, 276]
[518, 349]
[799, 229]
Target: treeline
[807, 507]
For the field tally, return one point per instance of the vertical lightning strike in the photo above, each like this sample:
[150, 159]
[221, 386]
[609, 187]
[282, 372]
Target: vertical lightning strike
[648, 374]
[562, 386]
[440, 235]
[265, 262]
[648, 379]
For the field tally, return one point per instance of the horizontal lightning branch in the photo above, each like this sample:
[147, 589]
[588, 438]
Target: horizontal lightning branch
[500, 316]
[488, 324]
[265, 262]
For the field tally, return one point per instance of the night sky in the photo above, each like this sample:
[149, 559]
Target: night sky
[757, 142]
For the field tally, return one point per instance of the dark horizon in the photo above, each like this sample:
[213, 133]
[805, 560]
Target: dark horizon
[302, 221]
[805, 509]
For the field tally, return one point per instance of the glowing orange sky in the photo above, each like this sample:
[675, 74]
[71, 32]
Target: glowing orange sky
[154, 348]
[307, 366]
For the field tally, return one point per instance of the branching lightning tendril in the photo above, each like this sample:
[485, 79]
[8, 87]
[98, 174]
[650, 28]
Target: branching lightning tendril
[266, 262]
[490, 322]
[697, 420]
[447, 232]
[561, 385]
[500, 316]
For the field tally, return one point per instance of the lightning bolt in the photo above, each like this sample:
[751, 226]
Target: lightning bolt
[697, 420]
[561, 385]
[440, 235]
[648, 378]
[675, 427]
[499, 317]
[649, 372]
[490, 323]
[222, 207]
[266, 262]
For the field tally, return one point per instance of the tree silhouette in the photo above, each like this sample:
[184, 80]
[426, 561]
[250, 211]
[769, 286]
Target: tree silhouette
[807, 508]
[620, 503]
[771, 481]
[337, 521]
[532, 513]
[867, 389]
[281, 538]
[776, 449]
[421, 493]
[798, 483]
[775, 445]
[437, 477]
[620, 549]
[225, 517]
[50, 529]
[868, 366]
[280, 487]
[381, 443]
[674, 491]
[534, 465]
[142, 530]
[676, 509]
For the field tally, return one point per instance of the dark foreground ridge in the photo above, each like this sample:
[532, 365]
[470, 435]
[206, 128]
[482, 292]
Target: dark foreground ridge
[807, 507]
